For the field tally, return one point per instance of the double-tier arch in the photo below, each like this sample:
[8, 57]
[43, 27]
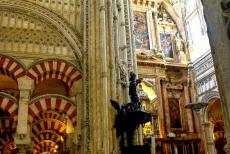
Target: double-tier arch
[54, 69]
[42, 14]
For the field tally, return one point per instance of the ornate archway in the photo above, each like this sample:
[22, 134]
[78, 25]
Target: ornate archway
[54, 69]
[52, 117]
[215, 123]
[8, 121]
[41, 22]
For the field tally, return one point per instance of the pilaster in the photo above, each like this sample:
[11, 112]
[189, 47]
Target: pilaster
[161, 107]
[188, 111]
[157, 34]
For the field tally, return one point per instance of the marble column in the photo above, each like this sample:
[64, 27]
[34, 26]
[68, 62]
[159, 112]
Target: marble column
[153, 145]
[157, 33]
[77, 94]
[149, 17]
[188, 111]
[123, 47]
[23, 132]
[140, 135]
[220, 49]
[103, 77]
[209, 139]
[22, 149]
[131, 56]
[160, 107]
[193, 95]
[202, 131]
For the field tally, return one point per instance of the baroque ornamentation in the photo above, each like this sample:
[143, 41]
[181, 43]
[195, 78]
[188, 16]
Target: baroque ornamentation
[123, 72]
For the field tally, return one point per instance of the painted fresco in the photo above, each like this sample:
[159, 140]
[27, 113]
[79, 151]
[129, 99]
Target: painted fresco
[141, 31]
[166, 45]
[174, 110]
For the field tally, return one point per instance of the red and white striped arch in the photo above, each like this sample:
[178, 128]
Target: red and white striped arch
[46, 149]
[49, 124]
[54, 69]
[47, 136]
[8, 143]
[13, 66]
[45, 146]
[9, 104]
[50, 114]
[53, 102]
[10, 146]
[7, 125]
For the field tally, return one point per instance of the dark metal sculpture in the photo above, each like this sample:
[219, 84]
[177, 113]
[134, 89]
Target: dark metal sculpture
[129, 116]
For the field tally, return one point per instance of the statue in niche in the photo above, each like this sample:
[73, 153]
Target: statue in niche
[179, 43]
[180, 48]
[158, 53]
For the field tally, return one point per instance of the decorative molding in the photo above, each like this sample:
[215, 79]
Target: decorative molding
[54, 69]
[52, 102]
[9, 104]
[12, 65]
[210, 95]
[45, 15]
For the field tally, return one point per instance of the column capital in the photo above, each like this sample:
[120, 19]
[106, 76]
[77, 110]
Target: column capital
[155, 11]
[25, 83]
[23, 148]
[22, 139]
[206, 124]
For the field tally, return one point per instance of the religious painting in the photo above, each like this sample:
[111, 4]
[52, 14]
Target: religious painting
[166, 45]
[174, 110]
[141, 30]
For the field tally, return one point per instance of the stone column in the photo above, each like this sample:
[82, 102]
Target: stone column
[123, 47]
[153, 145]
[202, 131]
[77, 94]
[209, 140]
[23, 137]
[160, 107]
[22, 149]
[193, 95]
[157, 33]
[220, 48]
[140, 135]
[188, 111]
[150, 27]
[131, 56]
[103, 78]
[166, 107]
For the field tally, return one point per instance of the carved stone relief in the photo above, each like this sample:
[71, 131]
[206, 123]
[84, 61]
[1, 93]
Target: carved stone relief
[69, 10]
[21, 33]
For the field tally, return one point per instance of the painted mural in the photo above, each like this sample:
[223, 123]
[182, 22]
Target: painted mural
[166, 44]
[141, 30]
[174, 110]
